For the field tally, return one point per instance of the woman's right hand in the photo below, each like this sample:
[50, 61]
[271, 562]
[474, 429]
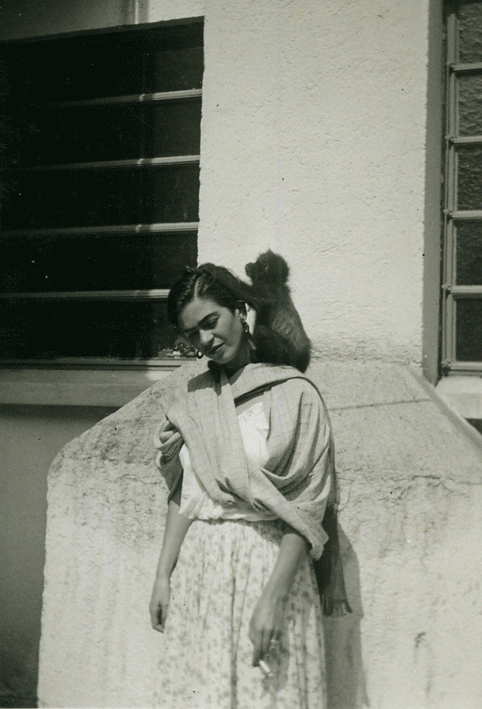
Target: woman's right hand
[158, 607]
[167, 439]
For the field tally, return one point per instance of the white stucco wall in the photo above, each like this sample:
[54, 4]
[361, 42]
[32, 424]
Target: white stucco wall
[313, 144]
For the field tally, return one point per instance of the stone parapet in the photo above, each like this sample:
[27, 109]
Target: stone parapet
[411, 524]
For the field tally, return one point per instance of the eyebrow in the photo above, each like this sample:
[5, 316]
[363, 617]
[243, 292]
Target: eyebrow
[192, 329]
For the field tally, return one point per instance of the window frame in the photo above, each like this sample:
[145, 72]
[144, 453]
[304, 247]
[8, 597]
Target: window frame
[452, 216]
[139, 295]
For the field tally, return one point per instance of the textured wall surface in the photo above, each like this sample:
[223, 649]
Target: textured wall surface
[30, 437]
[411, 519]
[313, 139]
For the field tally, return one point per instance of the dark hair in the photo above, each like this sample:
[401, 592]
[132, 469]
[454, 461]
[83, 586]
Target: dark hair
[208, 281]
[219, 284]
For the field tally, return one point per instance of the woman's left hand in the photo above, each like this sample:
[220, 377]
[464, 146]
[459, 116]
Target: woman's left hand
[266, 624]
[158, 607]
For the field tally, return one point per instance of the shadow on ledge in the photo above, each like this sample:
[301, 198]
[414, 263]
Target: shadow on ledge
[345, 676]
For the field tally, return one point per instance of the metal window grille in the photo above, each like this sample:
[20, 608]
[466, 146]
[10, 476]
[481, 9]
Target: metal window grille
[99, 148]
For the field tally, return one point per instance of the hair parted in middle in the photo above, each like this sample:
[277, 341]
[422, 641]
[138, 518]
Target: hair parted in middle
[219, 284]
[208, 281]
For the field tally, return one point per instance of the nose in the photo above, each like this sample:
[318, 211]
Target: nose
[205, 338]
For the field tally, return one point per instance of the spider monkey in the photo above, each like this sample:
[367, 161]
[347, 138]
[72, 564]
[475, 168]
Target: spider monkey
[275, 310]
[278, 336]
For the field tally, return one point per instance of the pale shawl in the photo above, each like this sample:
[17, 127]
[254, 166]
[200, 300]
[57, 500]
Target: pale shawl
[298, 477]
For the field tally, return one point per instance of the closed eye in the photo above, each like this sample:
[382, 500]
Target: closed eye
[210, 324]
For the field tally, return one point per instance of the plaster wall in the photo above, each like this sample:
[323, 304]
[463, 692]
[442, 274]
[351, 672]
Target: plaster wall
[30, 437]
[313, 140]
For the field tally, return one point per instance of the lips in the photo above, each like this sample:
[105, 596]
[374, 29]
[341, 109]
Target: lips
[213, 350]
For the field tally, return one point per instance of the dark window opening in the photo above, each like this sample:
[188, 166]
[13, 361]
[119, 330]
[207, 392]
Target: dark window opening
[99, 192]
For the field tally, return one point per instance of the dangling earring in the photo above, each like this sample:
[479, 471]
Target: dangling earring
[199, 354]
[244, 323]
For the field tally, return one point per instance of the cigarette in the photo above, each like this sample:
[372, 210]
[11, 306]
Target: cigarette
[266, 669]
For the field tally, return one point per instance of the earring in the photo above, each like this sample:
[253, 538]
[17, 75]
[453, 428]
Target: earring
[244, 323]
[199, 354]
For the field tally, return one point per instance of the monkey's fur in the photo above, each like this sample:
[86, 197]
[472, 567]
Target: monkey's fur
[279, 336]
[275, 309]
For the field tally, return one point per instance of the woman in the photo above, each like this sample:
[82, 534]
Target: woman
[247, 454]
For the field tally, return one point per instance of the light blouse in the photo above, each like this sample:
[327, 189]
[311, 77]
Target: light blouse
[195, 501]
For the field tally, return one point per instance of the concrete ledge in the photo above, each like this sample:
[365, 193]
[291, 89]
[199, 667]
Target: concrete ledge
[464, 394]
[76, 387]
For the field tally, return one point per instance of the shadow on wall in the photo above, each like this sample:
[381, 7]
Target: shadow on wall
[17, 688]
[345, 677]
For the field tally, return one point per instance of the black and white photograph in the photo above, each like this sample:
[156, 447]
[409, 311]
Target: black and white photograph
[241, 354]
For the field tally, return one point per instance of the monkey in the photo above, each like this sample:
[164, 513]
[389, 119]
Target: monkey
[270, 296]
[278, 335]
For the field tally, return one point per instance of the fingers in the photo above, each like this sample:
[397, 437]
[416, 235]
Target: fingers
[163, 432]
[264, 642]
[257, 640]
[166, 433]
[265, 628]
[158, 617]
[171, 436]
[168, 441]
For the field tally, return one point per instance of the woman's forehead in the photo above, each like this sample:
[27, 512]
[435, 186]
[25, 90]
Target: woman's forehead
[196, 311]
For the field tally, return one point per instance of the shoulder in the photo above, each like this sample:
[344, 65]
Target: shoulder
[188, 390]
[298, 387]
[297, 412]
[205, 380]
[298, 397]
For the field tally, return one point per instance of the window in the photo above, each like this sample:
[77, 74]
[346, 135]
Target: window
[99, 146]
[462, 278]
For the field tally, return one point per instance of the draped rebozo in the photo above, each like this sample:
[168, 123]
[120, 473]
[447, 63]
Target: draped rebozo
[298, 478]
[298, 483]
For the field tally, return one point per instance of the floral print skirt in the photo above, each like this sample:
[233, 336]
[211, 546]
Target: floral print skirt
[205, 659]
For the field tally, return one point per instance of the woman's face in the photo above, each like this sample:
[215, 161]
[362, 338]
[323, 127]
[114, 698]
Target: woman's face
[215, 331]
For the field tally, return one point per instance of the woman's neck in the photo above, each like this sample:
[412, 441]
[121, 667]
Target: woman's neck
[243, 357]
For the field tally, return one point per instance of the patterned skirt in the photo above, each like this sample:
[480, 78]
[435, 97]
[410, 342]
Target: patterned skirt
[206, 655]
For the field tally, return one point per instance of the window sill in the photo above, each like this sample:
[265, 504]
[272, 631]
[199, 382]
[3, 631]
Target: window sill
[77, 387]
[462, 393]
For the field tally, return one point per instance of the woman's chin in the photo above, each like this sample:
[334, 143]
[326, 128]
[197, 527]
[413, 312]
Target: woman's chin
[228, 357]
[223, 357]
[219, 356]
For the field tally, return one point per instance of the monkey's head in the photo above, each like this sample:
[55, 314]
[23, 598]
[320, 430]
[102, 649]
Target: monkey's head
[268, 268]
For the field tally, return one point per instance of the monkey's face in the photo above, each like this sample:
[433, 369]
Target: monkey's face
[249, 269]
[268, 268]
[216, 332]
[256, 271]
